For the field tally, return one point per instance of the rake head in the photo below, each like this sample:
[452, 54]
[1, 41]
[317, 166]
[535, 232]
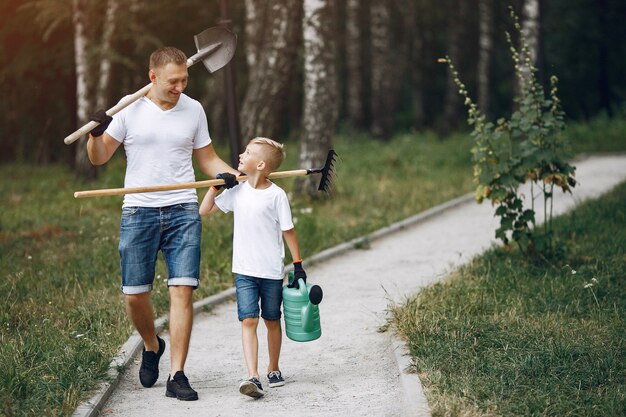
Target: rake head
[326, 171]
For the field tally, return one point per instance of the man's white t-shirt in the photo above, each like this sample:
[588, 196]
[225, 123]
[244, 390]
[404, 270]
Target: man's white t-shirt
[159, 146]
[260, 217]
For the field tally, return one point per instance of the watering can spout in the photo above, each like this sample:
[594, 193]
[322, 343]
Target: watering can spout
[307, 314]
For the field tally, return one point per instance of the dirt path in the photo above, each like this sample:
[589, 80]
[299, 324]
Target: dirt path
[353, 369]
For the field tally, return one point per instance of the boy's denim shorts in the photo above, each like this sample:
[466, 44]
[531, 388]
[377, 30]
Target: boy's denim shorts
[251, 289]
[175, 230]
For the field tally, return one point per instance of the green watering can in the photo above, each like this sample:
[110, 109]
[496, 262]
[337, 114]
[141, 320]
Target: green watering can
[301, 311]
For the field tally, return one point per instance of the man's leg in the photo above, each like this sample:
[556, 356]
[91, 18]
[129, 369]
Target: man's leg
[181, 321]
[139, 310]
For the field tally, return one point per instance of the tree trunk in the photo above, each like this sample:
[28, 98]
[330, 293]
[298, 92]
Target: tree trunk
[452, 105]
[105, 56]
[320, 91]
[354, 65]
[415, 51]
[485, 45]
[382, 70]
[82, 167]
[273, 67]
[530, 31]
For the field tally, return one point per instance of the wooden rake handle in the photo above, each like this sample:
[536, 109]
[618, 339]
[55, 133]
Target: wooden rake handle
[182, 186]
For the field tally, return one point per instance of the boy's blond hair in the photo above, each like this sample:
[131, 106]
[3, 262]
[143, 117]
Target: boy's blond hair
[272, 152]
[168, 54]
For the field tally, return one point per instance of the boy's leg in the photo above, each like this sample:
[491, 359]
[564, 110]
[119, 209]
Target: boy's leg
[274, 343]
[250, 344]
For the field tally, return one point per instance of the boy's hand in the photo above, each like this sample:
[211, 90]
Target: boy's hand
[229, 180]
[101, 117]
[298, 273]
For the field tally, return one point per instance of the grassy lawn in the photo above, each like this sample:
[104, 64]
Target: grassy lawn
[62, 315]
[506, 336]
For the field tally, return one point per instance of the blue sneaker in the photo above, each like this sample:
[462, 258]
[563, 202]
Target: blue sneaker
[251, 387]
[275, 379]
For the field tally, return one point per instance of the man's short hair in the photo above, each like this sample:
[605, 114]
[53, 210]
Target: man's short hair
[166, 55]
[273, 153]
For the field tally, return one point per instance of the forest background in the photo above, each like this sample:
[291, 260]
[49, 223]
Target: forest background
[375, 63]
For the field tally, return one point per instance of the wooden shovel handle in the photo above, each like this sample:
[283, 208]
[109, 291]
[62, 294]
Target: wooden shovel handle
[87, 127]
[182, 186]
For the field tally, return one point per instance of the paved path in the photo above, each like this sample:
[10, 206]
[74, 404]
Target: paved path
[353, 369]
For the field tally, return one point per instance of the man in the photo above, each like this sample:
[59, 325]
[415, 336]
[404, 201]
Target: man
[160, 133]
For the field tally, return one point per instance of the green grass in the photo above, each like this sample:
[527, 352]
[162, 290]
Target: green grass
[506, 336]
[62, 315]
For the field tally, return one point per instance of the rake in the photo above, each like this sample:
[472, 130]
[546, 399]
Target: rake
[324, 185]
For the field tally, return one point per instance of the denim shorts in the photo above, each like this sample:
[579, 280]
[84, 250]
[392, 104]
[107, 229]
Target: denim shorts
[174, 230]
[251, 289]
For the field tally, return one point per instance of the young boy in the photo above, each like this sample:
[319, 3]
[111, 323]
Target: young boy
[262, 218]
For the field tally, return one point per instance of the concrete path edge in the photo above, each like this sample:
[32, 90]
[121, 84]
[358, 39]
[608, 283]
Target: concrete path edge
[413, 391]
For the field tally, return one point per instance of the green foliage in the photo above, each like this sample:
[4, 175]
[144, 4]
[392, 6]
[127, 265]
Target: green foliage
[507, 336]
[529, 146]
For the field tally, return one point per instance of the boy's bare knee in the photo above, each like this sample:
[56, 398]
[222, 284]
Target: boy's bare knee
[272, 324]
[250, 322]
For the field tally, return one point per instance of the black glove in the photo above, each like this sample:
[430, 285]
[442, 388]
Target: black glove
[229, 180]
[101, 117]
[298, 273]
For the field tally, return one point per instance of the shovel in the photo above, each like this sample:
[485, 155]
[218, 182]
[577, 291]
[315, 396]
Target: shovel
[216, 46]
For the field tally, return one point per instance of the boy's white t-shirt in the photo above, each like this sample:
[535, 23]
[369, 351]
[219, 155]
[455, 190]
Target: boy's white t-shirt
[159, 146]
[260, 217]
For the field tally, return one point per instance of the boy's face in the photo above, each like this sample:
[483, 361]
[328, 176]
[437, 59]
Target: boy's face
[251, 159]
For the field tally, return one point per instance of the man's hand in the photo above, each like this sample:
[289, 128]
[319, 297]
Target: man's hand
[229, 180]
[101, 117]
[298, 273]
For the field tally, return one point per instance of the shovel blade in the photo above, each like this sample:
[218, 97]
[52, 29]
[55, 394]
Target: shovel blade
[216, 36]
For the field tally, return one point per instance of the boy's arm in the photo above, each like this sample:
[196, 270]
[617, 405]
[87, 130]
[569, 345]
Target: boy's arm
[208, 205]
[292, 243]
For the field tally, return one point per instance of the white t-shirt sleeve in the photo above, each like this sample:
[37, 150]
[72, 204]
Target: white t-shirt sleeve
[284, 212]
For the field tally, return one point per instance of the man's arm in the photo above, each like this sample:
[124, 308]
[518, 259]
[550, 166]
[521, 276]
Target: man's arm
[210, 163]
[100, 149]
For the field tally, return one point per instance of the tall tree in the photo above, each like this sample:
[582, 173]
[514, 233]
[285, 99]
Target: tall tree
[105, 53]
[354, 64]
[412, 25]
[382, 69]
[485, 49]
[273, 66]
[320, 90]
[530, 31]
[82, 166]
[455, 36]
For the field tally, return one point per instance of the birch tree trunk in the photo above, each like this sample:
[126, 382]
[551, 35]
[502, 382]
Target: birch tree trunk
[354, 65]
[382, 70]
[272, 70]
[105, 56]
[82, 166]
[530, 31]
[320, 92]
[485, 49]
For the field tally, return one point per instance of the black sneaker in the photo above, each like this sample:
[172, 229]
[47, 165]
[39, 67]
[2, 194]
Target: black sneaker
[251, 387]
[178, 387]
[275, 379]
[149, 370]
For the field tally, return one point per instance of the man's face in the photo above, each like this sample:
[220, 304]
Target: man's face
[169, 82]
